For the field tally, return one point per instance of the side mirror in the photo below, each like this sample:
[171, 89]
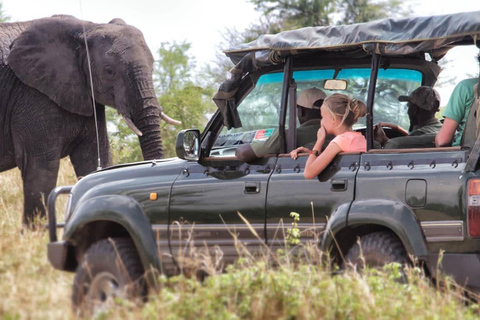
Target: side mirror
[187, 145]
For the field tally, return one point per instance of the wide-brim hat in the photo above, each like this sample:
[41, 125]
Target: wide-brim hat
[311, 98]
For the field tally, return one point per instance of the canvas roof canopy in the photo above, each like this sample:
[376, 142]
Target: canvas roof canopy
[434, 35]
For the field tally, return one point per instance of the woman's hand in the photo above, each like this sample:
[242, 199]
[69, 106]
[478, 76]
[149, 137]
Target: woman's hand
[321, 134]
[379, 135]
[295, 152]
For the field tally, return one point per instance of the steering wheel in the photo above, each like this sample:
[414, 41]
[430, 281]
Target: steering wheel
[383, 131]
[393, 130]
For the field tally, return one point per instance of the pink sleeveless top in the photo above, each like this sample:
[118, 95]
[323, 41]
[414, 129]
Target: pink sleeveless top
[351, 142]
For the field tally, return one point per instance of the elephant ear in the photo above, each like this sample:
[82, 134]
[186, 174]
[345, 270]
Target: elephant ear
[46, 56]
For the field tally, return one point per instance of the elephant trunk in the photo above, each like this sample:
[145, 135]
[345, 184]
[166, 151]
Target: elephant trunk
[147, 121]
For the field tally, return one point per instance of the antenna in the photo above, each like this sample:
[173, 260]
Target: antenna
[99, 166]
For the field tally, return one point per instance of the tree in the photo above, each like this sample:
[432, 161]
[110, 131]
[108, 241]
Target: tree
[124, 143]
[297, 13]
[357, 11]
[280, 15]
[172, 70]
[192, 105]
[180, 97]
[309, 13]
[3, 16]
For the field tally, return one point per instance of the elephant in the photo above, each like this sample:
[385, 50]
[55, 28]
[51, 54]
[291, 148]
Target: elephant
[49, 106]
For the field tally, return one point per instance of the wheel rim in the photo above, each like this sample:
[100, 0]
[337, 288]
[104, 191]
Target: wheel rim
[102, 292]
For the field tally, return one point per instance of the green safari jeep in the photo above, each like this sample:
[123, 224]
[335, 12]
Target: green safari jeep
[408, 201]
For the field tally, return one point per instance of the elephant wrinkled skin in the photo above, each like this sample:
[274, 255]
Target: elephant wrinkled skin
[46, 110]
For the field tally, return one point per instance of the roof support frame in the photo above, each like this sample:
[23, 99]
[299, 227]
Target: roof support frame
[371, 98]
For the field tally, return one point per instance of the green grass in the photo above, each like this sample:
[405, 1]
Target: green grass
[252, 289]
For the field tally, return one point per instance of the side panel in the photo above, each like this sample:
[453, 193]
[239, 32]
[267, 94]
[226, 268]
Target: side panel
[207, 199]
[314, 199]
[430, 183]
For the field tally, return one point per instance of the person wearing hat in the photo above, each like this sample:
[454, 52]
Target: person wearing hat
[423, 103]
[308, 113]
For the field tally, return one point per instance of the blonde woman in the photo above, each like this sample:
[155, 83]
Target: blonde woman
[339, 114]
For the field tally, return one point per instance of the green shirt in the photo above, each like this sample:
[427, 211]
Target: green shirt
[431, 126]
[459, 105]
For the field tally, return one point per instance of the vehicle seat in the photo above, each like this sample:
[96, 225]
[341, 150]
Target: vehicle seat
[423, 141]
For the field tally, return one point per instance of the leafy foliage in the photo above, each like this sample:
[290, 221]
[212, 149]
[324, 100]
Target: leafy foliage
[180, 96]
[293, 14]
[357, 11]
[172, 69]
[281, 15]
[124, 143]
[189, 104]
[293, 233]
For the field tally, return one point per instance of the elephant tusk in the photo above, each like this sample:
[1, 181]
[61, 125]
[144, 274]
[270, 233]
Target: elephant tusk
[168, 119]
[132, 126]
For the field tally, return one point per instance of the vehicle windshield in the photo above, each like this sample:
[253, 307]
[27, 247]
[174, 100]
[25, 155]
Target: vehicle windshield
[260, 110]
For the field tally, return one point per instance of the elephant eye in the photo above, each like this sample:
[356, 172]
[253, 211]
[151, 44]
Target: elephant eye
[109, 72]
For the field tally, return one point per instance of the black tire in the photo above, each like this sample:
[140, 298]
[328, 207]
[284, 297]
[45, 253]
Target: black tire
[377, 249]
[110, 268]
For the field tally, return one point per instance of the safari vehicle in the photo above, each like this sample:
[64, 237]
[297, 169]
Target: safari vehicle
[407, 203]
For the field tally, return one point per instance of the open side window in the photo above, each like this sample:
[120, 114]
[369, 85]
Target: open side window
[259, 112]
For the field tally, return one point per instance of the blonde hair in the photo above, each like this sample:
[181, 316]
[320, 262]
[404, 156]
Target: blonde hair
[345, 108]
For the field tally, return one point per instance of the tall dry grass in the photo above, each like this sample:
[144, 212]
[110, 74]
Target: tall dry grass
[252, 289]
[29, 287]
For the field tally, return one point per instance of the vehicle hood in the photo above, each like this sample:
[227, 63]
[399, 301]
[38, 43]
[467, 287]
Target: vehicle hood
[121, 178]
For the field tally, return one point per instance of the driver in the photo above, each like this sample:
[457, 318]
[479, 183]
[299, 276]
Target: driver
[308, 112]
[423, 103]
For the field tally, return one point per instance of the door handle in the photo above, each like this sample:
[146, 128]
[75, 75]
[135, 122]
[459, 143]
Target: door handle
[252, 187]
[339, 185]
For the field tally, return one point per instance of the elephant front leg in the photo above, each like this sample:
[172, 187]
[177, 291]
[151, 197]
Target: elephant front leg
[38, 181]
[84, 155]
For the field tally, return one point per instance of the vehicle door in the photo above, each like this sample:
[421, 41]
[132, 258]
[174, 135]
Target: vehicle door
[314, 200]
[219, 201]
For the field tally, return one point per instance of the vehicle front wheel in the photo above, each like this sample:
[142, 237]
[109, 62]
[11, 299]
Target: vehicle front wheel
[376, 250]
[110, 268]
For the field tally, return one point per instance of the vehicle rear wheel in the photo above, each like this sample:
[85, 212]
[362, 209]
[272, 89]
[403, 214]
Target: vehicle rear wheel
[110, 268]
[377, 250]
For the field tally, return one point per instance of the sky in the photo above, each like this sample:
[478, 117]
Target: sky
[200, 22]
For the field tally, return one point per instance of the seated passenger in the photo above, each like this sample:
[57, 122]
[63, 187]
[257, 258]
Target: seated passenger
[423, 104]
[308, 106]
[339, 114]
[456, 113]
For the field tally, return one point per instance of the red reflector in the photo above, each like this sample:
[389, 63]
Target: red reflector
[473, 187]
[474, 221]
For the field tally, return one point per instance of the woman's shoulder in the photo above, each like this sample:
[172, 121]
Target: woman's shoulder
[351, 135]
[351, 141]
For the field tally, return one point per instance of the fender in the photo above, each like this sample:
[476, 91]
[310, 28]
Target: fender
[336, 222]
[124, 211]
[393, 215]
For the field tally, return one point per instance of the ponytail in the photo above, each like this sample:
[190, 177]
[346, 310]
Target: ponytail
[349, 110]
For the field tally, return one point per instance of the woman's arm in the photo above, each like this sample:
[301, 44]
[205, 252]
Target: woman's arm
[315, 165]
